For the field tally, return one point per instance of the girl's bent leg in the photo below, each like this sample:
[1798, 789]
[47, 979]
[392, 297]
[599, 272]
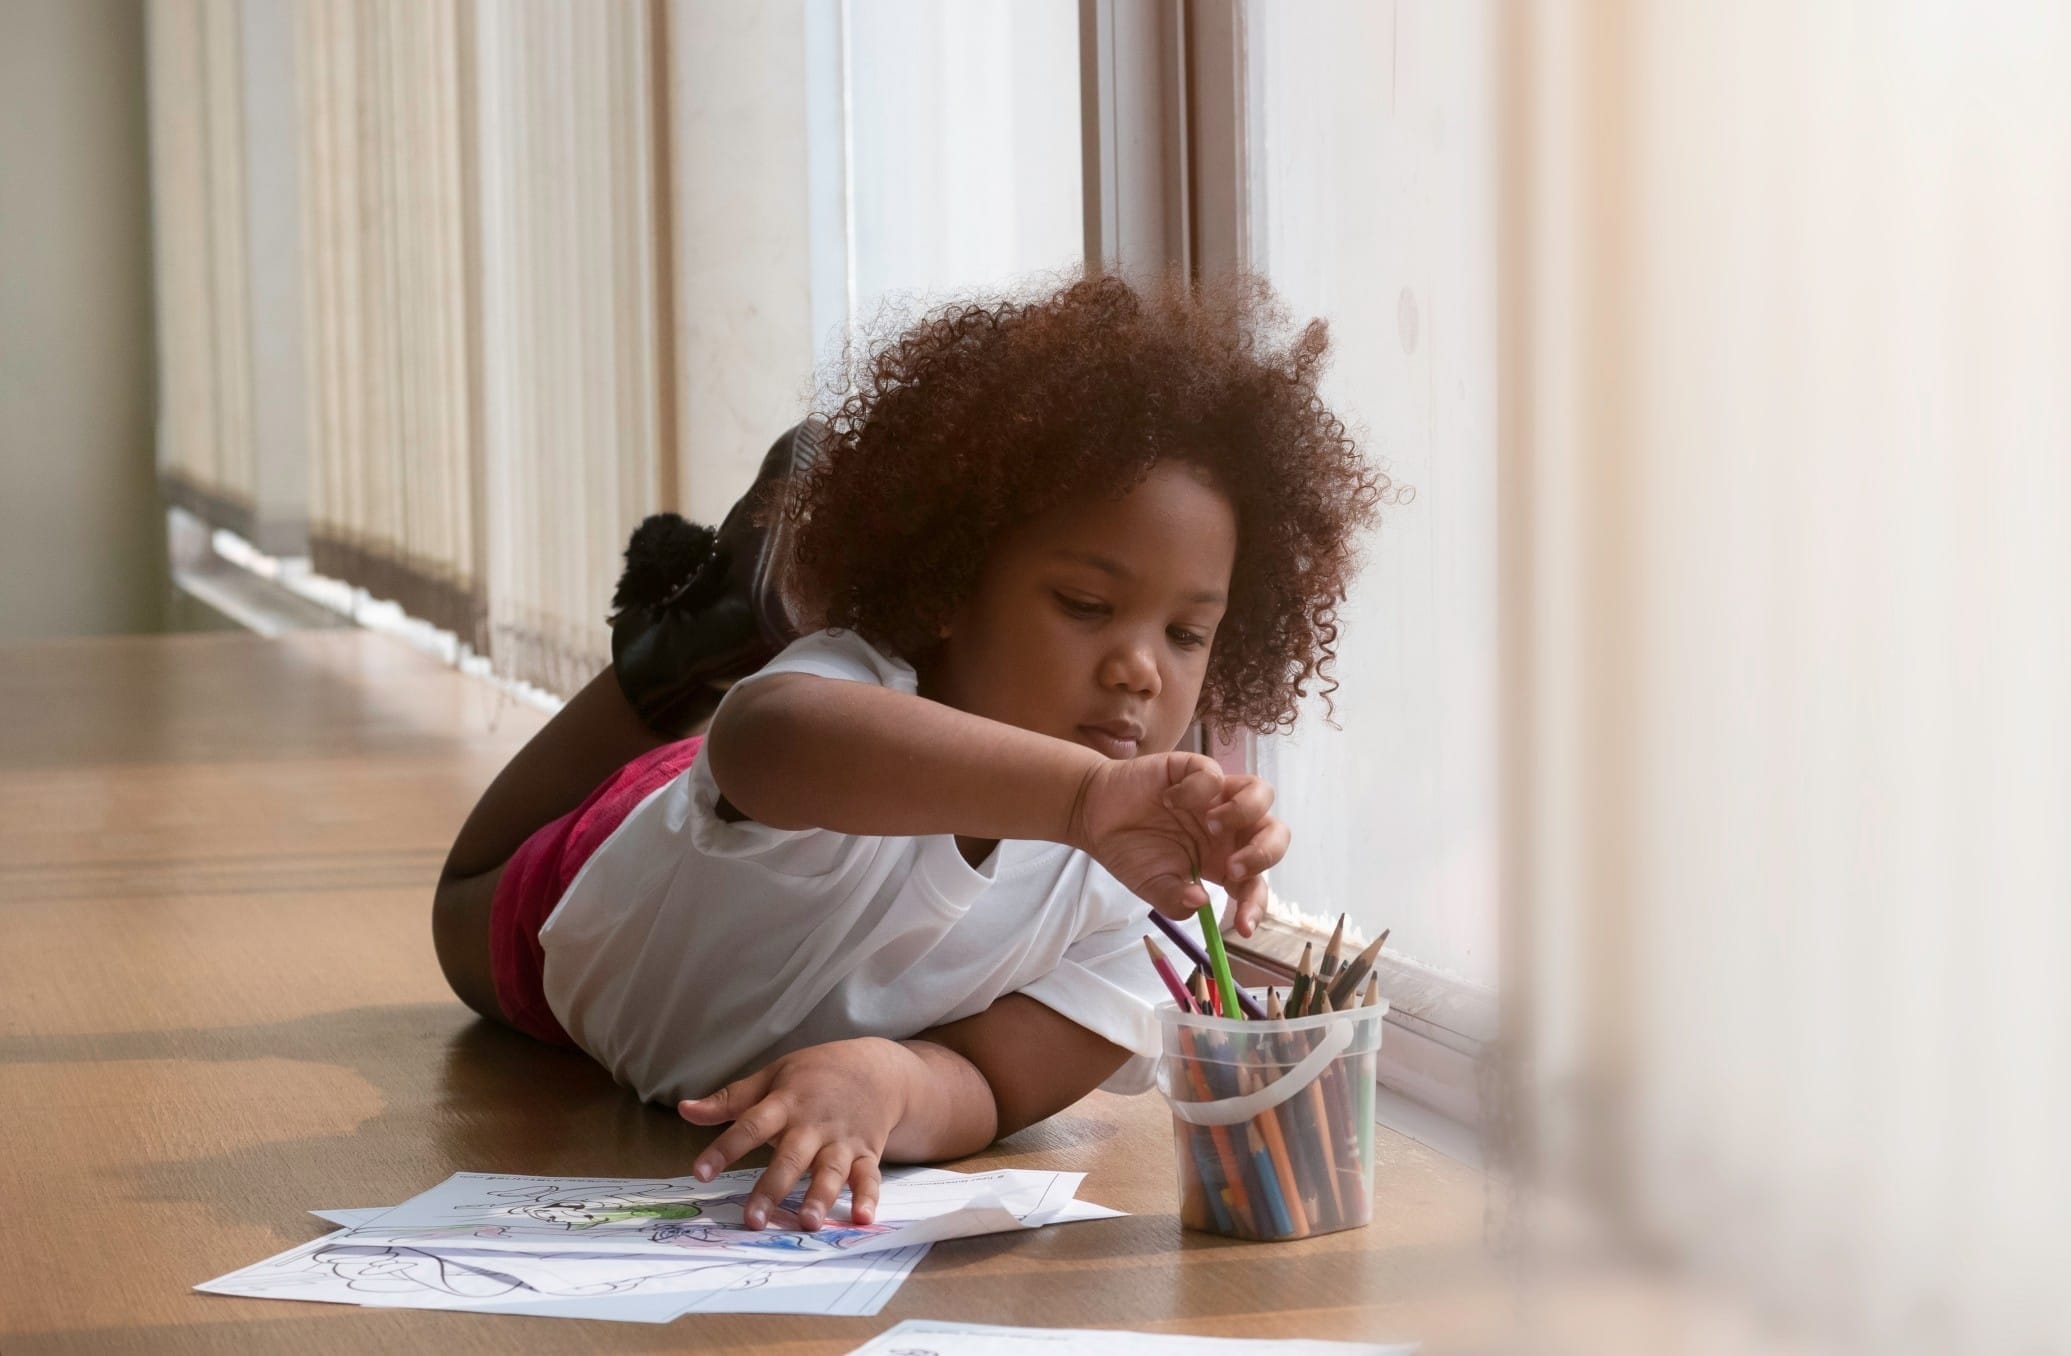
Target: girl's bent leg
[593, 736]
[460, 935]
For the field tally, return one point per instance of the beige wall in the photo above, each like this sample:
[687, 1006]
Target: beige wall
[81, 538]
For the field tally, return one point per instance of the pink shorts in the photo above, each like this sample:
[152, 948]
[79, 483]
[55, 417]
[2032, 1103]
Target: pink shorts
[540, 871]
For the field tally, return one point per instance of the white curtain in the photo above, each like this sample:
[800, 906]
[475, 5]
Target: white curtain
[484, 314]
[564, 264]
[386, 321]
[1789, 322]
[197, 192]
[578, 432]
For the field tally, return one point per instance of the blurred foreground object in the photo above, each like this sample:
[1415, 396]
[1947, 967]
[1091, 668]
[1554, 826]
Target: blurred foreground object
[1787, 323]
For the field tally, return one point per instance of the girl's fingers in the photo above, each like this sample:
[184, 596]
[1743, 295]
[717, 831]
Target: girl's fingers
[864, 1183]
[730, 1101]
[1197, 792]
[1174, 896]
[1244, 802]
[830, 1174]
[1267, 846]
[794, 1154]
[757, 1125]
[1188, 802]
[1248, 904]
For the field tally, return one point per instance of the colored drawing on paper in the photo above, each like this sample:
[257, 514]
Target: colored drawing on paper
[660, 1212]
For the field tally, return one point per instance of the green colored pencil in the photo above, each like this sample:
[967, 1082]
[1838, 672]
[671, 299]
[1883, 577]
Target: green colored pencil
[1217, 957]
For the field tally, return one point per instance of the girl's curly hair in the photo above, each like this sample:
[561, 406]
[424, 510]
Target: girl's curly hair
[985, 414]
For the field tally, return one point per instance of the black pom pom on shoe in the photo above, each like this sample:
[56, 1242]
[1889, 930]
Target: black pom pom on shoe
[665, 552]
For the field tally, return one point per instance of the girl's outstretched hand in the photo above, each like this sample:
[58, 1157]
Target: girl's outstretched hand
[1154, 821]
[826, 1112]
[1247, 841]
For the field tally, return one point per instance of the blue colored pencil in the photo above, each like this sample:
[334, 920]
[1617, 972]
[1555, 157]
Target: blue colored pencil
[1283, 1223]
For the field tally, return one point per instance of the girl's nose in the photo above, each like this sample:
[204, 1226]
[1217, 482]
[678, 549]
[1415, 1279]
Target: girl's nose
[1131, 668]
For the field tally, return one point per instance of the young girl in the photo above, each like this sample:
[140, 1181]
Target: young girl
[888, 906]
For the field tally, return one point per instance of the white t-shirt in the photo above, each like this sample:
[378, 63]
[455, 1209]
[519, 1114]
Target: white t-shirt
[689, 950]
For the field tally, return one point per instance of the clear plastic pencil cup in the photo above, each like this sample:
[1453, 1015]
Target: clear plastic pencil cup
[1273, 1120]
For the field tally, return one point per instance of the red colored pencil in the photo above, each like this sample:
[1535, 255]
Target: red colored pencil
[1169, 975]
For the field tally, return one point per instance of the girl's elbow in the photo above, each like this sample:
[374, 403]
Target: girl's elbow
[745, 748]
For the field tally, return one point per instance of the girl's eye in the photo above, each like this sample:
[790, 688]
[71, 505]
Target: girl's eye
[1079, 607]
[1188, 640]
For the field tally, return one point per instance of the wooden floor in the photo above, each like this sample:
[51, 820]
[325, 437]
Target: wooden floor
[219, 1009]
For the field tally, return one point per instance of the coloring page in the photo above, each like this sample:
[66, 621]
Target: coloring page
[337, 1270]
[670, 1217]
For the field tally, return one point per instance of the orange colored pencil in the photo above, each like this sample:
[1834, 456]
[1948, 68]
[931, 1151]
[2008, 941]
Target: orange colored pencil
[1217, 1134]
[1276, 1149]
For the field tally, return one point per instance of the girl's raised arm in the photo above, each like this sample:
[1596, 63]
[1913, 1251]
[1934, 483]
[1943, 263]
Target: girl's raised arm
[797, 751]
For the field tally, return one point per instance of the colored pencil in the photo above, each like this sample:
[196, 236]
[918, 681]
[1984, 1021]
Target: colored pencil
[1309, 1138]
[1216, 1138]
[1330, 1123]
[1193, 952]
[1165, 972]
[1220, 1078]
[1299, 994]
[1276, 1148]
[1327, 968]
[1316, 1138]
[1363, 1102]
[1221, 958]
[1319, 985]
[1327, 1140]
[1345, 987]
[1276, 1201]
[1211, 1144]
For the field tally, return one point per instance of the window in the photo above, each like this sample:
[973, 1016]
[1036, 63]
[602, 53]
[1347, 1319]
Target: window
[963, 142]
[1372, 174]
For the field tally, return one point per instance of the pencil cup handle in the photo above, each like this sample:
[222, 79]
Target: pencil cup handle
[1250, 1106]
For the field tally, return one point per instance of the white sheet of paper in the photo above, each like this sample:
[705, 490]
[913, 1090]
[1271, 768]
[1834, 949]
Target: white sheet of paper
[671, 1217]
[351, 1219]
[335, 1269]
[537, 1252]
[1073, 1211]
[925, 1337]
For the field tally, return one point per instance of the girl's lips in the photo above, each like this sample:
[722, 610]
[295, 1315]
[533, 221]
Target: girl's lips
[1107, 743]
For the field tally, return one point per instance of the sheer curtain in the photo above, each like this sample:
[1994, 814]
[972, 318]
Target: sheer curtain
[1790, 313]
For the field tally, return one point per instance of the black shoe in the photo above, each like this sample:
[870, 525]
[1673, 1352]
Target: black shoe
[696, 609]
